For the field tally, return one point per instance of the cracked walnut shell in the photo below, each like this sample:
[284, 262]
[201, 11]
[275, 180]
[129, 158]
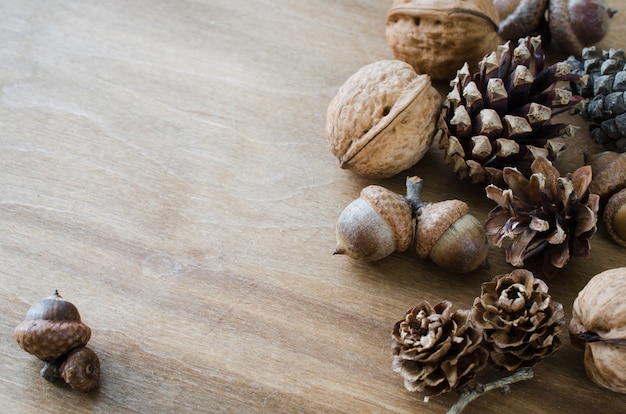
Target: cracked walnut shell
[382, 119]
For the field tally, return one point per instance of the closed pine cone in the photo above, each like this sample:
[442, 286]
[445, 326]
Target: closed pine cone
[606, 109]
[501, 116]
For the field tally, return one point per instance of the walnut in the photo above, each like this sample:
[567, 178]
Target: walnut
[438, 36]
[382, 119]
[599, 326]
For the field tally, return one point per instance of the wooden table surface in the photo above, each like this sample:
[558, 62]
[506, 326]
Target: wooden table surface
[164, 166]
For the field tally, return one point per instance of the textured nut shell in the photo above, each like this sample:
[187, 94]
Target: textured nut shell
[49, 340]
[615, 217]
[433, 221]
[81, 369]
[395, 210]
[449, 33]
[572, 32]
[382, 119]
[375, 225]
[609, 173]
[463, 247]
[600, 308]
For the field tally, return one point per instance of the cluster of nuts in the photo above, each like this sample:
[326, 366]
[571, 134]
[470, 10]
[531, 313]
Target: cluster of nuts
[572, 24]
[387, 115]
[381, 222]
[53, 332]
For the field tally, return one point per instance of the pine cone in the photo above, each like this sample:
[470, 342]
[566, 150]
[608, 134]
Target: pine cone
[606, 109]
[437, 350]
[546, 215]
[519, 319]
[501, 116]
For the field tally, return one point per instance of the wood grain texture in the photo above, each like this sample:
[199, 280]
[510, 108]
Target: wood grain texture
[164, 165]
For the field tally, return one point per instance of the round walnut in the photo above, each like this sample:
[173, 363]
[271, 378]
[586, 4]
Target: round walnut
[438, 36]
[382, 119]
[599, 326]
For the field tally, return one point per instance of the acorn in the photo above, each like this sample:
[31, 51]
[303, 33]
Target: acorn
[446, 233]
[609, 173]
[52, 328]
[374, 225]
[614, 217]
[81, 369]
[381, 222]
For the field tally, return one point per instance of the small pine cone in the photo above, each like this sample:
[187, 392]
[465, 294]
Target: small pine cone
[520, 321]
[436, 349]
[606, 89]
[546, 216]
[501, 116]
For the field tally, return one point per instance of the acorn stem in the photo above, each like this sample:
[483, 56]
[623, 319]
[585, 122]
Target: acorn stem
[413, 192]
[471, 394]
[51, 370]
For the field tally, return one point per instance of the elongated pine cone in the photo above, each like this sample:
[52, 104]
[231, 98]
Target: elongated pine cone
[436, 349]
[606, 108]
[519, 319]
[546, 215]
[501, 116]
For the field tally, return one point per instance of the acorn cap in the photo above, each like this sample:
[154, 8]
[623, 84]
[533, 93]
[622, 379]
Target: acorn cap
[395, 210]
[52, 328]
[434, 220]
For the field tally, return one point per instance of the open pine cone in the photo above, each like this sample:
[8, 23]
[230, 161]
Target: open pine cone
[546, 215]
[436, 349]
[519, 319]
[501, 116]
[606, 109]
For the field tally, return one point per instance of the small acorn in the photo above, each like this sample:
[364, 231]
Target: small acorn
[81, 369]
[374, 225]
[446, 233]
[54, 333]
[614, 217]
[609, 173]
[575, 24]
[52, 328]
[609, 182]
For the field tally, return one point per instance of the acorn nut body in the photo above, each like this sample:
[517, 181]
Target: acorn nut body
[81, 369]
[51, 329]
[451, 237]
[599, 326]
[374, 225]
[614, 217]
